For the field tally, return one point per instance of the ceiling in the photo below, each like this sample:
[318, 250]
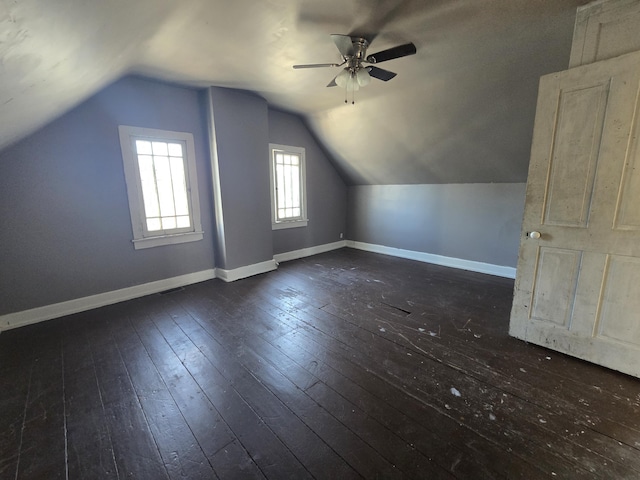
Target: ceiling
[460, 111]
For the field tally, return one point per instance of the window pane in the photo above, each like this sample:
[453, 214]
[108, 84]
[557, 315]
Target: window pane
[143, 147]
[160, 148]
[287, 186]
[175, 150]
[179, 186]
[168, 223]
[153, 224]
[148, 182]
[164, 185]
[165, 189]
[295, 186]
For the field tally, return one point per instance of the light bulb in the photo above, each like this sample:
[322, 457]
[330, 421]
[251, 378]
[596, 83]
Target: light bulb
[363, 77]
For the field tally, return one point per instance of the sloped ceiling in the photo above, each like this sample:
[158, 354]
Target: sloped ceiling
[460, 111]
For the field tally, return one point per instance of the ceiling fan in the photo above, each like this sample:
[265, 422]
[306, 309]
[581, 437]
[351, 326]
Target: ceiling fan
[353, 50]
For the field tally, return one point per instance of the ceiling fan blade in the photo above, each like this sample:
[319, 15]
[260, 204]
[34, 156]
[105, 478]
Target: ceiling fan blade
[344, 44]
[317, 65]
[332, 83]
[381, 74]
[391, 53]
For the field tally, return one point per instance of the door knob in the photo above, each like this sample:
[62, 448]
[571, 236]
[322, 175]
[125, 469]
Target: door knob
[534, 235]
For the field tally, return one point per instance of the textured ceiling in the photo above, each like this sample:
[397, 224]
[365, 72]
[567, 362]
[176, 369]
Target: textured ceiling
[460, 111]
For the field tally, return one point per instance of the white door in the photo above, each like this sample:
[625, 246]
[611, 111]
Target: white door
[577, 286]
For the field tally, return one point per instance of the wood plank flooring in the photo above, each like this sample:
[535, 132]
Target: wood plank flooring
[338, 366]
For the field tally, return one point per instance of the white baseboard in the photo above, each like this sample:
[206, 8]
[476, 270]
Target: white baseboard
[246, 271]
[481, 267]
[48, 312]
[307, 252]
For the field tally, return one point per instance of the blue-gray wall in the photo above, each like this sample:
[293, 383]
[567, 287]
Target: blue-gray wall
[326, 190]
[66, 228]
[242, 141]
[479, 222]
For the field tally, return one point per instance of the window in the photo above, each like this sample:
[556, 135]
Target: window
[288, 188]
[160, 171]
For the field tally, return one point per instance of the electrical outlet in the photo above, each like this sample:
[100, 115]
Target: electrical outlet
[341, 235]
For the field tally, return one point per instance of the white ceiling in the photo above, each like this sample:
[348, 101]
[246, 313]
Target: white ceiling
[460, 110]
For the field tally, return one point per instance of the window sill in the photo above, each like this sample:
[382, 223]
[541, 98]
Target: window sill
[292, 224]
[160, 240]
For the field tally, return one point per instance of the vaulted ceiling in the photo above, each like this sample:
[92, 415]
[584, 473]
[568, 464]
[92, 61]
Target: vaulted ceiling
[460, 111]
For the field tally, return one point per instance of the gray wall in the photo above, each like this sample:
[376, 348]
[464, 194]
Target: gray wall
[326, 191]
[479, 222]
[242, 139]
[66, 228]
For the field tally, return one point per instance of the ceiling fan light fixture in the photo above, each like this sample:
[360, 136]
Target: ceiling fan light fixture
[351, 80]
[363, 77]
[352, 83]
[342, 78]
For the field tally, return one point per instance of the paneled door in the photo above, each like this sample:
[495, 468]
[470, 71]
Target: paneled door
[577, 286]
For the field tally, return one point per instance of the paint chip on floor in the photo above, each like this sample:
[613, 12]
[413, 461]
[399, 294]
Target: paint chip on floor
[492, 416]
[382, 330]
[456, 392]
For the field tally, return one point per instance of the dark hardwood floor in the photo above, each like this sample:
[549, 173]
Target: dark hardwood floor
[338, 366]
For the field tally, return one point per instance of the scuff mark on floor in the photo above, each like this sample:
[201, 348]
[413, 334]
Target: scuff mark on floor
[406, 312]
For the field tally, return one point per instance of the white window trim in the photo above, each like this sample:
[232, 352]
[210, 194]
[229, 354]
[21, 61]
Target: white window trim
[300, 151]
[134, 188]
